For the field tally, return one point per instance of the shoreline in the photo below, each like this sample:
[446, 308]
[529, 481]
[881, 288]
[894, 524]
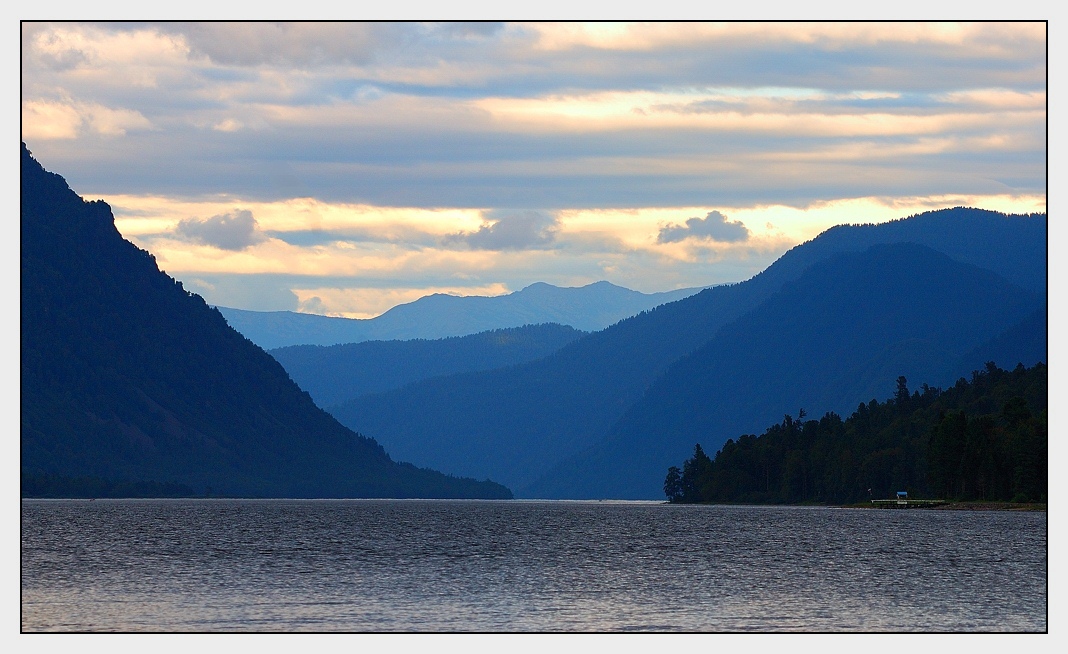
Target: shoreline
[965, 506]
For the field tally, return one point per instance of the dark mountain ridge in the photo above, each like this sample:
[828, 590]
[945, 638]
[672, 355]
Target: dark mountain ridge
[125, 376]
[521, 422]
[337, 373]
[1011, 245]
[827, 341]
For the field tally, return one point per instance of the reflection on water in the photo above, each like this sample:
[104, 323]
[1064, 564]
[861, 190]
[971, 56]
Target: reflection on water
[424, 565]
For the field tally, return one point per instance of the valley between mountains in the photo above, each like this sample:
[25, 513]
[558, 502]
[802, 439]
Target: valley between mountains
[831, 324]
[132, 385]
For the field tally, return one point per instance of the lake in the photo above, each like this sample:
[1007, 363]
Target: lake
[217, 565]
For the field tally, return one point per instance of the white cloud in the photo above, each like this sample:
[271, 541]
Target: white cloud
[228, 125]
[715, 227]
[978, 39]
[511, 230]
[419, 156]
[49, 120]
[544, 116]
[68, 120]
[237, 230]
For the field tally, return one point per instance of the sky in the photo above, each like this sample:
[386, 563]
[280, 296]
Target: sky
[344, 168]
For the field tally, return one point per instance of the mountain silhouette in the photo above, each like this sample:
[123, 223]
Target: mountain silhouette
[126, 376]
[336, 373]
[838, 336]
[520, 423]
[586, 308]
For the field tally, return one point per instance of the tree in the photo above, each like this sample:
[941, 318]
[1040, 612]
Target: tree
[901, 396]
[945, 454]
[952, 444]
[673, 484]
[695, 472]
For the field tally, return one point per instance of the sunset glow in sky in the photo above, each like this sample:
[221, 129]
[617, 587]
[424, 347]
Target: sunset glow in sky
[343, 168]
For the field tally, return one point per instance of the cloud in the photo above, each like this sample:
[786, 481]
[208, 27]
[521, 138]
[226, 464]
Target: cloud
[715, 226]
[66, 120]
[511, 231]
[251, 292]
[470, 29]
[397, 234]
[313, 304]
[236, 230]
[546, 116]
[289, 44]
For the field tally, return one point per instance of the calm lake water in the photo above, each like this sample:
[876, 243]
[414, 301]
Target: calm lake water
[516, 566]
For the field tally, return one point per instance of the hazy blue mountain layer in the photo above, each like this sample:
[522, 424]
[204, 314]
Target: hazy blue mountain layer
[518, 424]
[586, 308]
[125, 376]
[337, 373]
[838, 336]
[1025, 342]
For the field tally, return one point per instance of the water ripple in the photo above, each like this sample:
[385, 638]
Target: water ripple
[381, 565]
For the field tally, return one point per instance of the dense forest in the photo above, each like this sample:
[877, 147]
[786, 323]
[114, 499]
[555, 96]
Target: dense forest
[53, 486]
[981, 439]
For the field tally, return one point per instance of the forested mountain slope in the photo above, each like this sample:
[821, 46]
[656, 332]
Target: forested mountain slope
[830, 340]
[984, 438]
[125, 376]
[517, 424]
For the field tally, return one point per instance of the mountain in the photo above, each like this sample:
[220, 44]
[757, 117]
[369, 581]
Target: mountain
[127, 377]
[1025, 342]
[586, 308]
[518, 424]
[836, 337]
[1013, 246]
[336, 373]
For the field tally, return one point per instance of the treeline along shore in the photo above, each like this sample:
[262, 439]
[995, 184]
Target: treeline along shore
[981, 440]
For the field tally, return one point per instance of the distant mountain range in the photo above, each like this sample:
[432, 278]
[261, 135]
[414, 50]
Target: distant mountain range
[832, 323]
[337, 373]
[586, 308]
[129, 381]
